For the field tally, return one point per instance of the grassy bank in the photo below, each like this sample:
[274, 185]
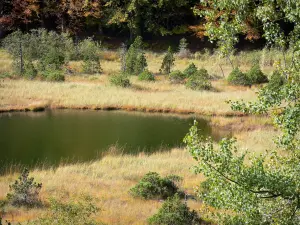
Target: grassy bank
[109, 179]
[151, 97]
[81, 91]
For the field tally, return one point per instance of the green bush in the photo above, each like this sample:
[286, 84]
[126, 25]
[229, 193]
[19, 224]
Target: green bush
[53, 59]
[89, 51]
[276, 80]
[168, 62]
[237, 77]
[153, 186]
[140, 64]
[146, 76]
[29, 70]
[120, 80]
[256, 76]
[174, 212]
[49, 48]
[24, 192]
[199, 80]
[53, 75]
[69, 213]
[190, 70]
[135, 60]
[5, 75]
[176, 77]
[184, 52]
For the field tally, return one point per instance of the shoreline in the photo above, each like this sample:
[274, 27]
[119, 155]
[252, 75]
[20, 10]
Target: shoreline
[40, 108]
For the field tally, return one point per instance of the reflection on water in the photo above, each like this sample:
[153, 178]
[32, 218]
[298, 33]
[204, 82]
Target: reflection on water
[28, 138]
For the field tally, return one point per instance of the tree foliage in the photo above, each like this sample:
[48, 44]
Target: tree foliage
[249, 188]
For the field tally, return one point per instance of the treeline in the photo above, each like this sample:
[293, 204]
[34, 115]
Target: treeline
[114, 17]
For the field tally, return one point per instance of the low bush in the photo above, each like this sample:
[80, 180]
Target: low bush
[276, 80]
[69, 213]
[24, 192]
[146, 76]
[199, 81]
[120, 80]
[176, 77]
[29, 70]
[168, 62]
[190, 70]
[5, 75]
[237, 77]
[184, 52]
[90, 53]
[153, 186]
[175, 212]
[53, 75]
[256, 76]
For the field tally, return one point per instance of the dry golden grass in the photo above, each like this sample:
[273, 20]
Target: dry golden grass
[108, 180]
[98, 94]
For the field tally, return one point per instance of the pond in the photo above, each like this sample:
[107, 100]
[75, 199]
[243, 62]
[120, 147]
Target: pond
[51, 136]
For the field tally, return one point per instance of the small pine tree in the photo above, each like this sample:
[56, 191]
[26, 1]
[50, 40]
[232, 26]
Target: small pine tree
[140, 64]
[190, 70]
[24, 192]
[132, 55]
[183, 50]
[168, 62]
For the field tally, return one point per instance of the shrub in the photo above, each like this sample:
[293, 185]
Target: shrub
[276, 80]
[134, 51]
[237, 77]
[256, 76]
[50, 49]
[146, 76]
[152, 186]
[176, 77]
[29, 70]
[53, 75]
[69, 213]
[53, 59]
[4, 75]
[140, 64]
[90, 54]
[120, 80]
[24, 192]
[174, 212]
[184, 52]
[190, 70]
[199, 81]
[168, 62]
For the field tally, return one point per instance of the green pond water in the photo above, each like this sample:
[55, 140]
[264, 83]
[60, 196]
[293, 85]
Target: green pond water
[54, 136]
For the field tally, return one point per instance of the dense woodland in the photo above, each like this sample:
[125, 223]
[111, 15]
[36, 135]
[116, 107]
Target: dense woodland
[123, 19]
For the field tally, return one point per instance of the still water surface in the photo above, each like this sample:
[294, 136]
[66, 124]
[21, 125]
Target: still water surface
[52, 136]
